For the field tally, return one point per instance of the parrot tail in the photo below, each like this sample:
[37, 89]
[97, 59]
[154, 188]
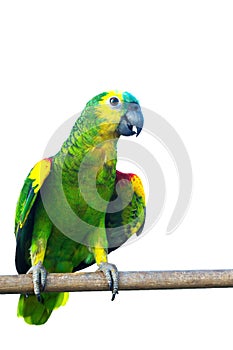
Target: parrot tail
[37, 313]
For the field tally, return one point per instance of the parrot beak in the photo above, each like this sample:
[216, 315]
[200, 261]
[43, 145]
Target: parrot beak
[132, 121]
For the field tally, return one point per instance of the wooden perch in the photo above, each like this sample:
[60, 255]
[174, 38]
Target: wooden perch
[132, 280]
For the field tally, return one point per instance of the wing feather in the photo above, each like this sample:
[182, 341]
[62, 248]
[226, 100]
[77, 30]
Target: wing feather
[24, 216]
[121, 224]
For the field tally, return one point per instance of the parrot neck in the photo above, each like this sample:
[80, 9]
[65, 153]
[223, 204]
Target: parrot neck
[94, 142]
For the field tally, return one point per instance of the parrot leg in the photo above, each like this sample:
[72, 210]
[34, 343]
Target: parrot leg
[39, 275]
[112, 275]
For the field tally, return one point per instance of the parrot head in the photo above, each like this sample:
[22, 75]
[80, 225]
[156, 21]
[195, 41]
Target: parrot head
[118, 113]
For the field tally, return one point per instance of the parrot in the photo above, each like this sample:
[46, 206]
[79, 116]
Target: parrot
[76, 207]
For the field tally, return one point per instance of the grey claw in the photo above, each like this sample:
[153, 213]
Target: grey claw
[39, 275]
[112, 275]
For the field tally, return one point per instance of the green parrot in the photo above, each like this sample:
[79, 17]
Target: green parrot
[75, 207]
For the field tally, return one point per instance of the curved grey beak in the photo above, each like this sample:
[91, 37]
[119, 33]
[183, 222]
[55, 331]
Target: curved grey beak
[132, 121]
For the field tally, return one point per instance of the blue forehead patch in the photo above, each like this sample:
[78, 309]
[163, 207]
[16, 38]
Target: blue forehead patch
[127, 97]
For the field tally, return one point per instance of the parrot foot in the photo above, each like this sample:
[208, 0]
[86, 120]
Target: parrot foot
[112, 275]
[39, 275]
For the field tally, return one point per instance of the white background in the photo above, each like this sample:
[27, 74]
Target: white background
[176, 57]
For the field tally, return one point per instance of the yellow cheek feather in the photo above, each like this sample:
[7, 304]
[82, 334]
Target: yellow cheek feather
[113, 114]
[39, 173]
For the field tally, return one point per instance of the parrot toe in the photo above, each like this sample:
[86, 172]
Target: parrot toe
[39, 275]
[112, 275]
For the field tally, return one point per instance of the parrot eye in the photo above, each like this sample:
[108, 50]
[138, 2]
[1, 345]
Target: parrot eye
[114, 101]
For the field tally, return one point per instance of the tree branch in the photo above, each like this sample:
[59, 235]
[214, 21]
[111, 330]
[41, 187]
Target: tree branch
[132, 280]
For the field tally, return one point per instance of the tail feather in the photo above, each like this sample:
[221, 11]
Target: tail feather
[38, 313]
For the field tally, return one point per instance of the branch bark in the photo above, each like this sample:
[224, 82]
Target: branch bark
[132, 280]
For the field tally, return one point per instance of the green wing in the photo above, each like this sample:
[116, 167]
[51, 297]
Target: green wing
[24, 217]
[122, 224]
